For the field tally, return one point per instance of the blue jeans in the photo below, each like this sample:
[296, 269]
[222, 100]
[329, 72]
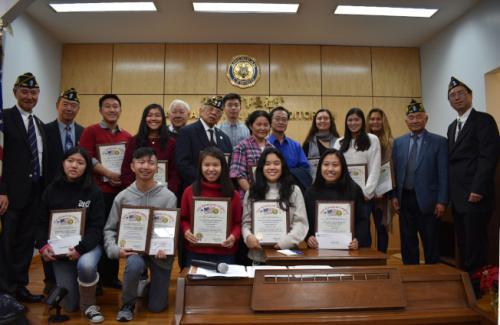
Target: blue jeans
[67, 272]
[160, 280]
[228, 259]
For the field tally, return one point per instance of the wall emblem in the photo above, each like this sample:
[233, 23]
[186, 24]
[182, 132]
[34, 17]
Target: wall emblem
[243, 71]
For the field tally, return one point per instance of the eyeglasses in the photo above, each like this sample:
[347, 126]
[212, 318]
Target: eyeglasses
[458, 94]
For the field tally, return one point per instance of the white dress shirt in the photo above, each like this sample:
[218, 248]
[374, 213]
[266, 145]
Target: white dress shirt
[39, 142]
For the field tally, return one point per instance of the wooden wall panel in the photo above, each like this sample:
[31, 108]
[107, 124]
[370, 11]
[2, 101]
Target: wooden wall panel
[339, 106]
[396, 72]
[295, 70]
[132, 108]
[395, 109]
[225, 54]
[190, 69]
[89, 110]
[138, 68]
[87, 67]
[346, 71]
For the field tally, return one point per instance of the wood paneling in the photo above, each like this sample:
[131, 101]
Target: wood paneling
[295, 70]
[138, 68]
[339, 106]
[89, 110]
[396, 72]
[190, 69]
[346, 71]
[132, 108]
[395, 109]
[87, 67]
[225, 54]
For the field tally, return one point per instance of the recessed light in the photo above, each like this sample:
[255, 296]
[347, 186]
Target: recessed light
[103, 6]
[233, 7]
[385, 11]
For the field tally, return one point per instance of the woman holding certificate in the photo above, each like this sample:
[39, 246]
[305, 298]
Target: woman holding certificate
[334, 189]
[274, 213]
[211, 212]
[70, 232]
[362, 153]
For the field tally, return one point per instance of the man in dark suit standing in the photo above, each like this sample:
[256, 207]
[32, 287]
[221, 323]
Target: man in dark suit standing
[421, 194]
[199, 135]
[473, 146]
[25, 167]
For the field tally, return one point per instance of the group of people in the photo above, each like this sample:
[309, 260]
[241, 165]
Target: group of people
[56, 166]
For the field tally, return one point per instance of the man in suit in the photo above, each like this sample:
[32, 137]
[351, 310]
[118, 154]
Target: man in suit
[473, 145]
[421, 194]
[25, 166]
[197, 136]
[178, 115]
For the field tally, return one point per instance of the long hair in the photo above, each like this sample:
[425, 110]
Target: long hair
[227, 188]
[142, 134]
[385, 136]
[362, 142]
[286, 183]
[314, 128]
[344, 180]
[86, 179]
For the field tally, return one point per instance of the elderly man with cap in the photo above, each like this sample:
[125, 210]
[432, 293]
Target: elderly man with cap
[473, 145]
[178, 114]
[24, 169]
[421, 193]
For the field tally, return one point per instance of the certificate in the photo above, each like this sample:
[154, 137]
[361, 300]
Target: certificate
[313, 162]
[334, 216]
[162, 173]
[252, 170]
[211, 220]
[386, 179]
[134, 228]
[270, 223]
[111, 156]
[66, 229]
[164, 231]
[358, 174]
[333, 240]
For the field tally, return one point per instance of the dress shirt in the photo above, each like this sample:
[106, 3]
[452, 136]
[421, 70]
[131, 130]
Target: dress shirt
[62, 133]
[39, 141]
[235, 131]
[291, 151]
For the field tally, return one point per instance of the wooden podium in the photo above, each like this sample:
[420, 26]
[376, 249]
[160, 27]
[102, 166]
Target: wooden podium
[430, 294]
[332, 257]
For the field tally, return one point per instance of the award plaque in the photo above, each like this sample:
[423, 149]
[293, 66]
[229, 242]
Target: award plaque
[66, 228]
[134, 228]
[334, 224]
[270, 223]
[313, 162]
[359, 174]
[211, 220]
[162, 173]
[111, 156]
[386, 179]
[164, 231]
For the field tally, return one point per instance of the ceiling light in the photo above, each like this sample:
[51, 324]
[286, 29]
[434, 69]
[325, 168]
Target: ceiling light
[232, 7]
[103, 6]
[385, 11]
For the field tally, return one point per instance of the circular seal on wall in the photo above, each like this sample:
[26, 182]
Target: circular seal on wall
[243, 71]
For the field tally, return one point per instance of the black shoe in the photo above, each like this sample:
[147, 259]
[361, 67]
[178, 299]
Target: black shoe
[116, 284]
[24, 295]
[10, 309]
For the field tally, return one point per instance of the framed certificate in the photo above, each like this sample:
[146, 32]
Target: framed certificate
[386, 179]
[252, 170]
[164, 231]
[211, 220]
[270, 222]
[162, 173]
[111, 156]
[313, 162]
[134, 228]
[359, 173]
[334, 224]
[66, 228]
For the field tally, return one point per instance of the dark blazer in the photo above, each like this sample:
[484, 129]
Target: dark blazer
[191, 140]
[473, 158]
[55, 148]
[431, 174]
[17, 167]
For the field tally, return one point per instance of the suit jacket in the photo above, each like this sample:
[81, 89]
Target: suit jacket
[431, 174]
[55, 148]
[191, 140]
[17, 163]
[473, 158]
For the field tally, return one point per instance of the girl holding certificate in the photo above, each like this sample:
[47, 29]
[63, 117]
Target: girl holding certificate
[361, 151]
[212, 182]
[333, 183]
[322, 134]
[273, 181]
[77, 269]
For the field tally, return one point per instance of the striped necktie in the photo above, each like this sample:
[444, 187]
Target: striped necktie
[34, 149]
[68, 142]
[459, 128]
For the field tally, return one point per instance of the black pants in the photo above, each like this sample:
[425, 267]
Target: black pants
[108, 268]
[413, 222]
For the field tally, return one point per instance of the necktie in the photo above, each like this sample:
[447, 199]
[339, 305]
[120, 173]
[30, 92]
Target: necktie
[34, 149]
[459, 126]
[411, 165]
[212, 140]
[68, 144]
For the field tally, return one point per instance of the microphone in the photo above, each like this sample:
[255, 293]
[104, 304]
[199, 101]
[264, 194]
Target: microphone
[217, 267]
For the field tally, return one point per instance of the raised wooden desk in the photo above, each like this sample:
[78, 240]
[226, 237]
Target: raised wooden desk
[360, 257]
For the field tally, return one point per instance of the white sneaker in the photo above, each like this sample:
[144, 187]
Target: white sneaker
[93, 314]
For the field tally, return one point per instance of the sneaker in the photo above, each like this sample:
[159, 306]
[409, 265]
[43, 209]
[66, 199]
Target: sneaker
[126, 313]
[93, 314]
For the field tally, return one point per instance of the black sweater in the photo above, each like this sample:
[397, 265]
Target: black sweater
[334, 192]
[64, 195]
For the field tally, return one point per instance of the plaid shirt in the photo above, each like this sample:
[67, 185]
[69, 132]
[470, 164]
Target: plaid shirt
[245, 154]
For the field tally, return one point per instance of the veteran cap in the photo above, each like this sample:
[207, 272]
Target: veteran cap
[454, 82]
[70, 94]
[216, 101]
[26, 80]
[415, 107]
